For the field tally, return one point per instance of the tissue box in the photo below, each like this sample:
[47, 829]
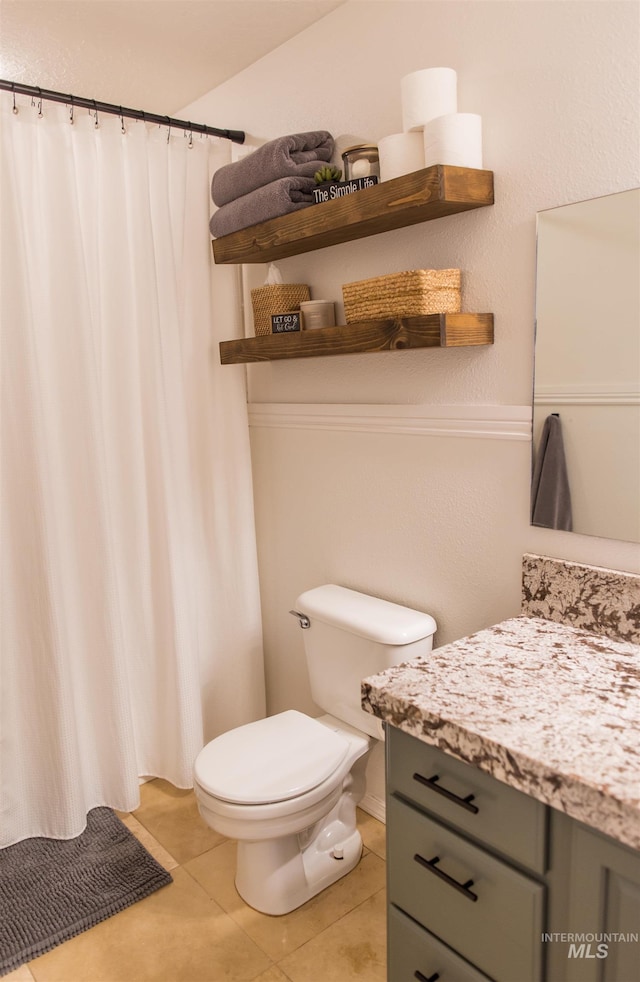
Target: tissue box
[277, 298]
[408, 294]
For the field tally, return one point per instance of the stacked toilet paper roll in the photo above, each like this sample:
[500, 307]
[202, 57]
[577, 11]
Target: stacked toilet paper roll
[400, 153]
[427, 94]
[454, 139]
[434, 132]
[430, 108]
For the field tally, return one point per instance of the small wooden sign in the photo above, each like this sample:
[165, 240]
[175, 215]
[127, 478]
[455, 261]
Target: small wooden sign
[340, 189]
[284, 323]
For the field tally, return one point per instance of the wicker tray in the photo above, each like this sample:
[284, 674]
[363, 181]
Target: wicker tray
[407, 294]
[277, 298]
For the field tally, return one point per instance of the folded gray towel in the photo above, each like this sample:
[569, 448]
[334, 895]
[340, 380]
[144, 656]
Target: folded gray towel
[550, 493]
[296, 155]
[275, 199]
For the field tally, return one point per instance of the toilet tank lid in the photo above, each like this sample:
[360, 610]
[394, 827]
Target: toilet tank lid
[365, 616]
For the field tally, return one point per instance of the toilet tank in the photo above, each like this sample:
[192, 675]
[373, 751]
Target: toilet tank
[351, 636]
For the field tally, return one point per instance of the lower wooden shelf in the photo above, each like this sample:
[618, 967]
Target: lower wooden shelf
[429, 331]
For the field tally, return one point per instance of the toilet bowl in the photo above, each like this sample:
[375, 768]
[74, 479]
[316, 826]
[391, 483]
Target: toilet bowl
[286, 788]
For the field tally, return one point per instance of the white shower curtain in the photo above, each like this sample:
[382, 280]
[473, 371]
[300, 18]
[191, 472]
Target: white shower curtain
[130, 608]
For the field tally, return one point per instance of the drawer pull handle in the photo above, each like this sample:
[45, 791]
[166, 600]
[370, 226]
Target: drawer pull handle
[423, 978]
[431, 864]
[432, 782]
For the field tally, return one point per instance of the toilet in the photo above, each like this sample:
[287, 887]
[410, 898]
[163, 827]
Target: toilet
[286, 787]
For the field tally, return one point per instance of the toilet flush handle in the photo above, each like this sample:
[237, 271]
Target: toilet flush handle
[304, 620]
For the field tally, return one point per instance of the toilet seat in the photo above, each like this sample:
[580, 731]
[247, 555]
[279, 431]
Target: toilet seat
[272, 760]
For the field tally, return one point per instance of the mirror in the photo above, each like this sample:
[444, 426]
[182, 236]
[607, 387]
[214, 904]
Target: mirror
[586, 406]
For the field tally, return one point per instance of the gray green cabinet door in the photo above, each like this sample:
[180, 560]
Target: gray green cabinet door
[488, 912]
[415, 954]
[604, 901]
[505, 820]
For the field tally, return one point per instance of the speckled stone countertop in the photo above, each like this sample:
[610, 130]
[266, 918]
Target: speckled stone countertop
[550, 709]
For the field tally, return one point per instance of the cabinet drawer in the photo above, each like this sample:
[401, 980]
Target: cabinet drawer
[412, 949]
[502, 818]
[481, 907]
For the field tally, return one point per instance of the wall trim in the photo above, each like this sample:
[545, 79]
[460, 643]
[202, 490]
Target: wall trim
[588, 395]
[478, 422]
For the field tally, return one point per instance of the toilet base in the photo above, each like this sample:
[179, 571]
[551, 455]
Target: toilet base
[277, 876]
[283, 860]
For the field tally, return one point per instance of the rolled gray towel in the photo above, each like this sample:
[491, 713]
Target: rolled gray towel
[275, 199]
[296, 155]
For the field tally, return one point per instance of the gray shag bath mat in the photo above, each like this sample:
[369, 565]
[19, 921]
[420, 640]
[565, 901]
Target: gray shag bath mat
[53, 889]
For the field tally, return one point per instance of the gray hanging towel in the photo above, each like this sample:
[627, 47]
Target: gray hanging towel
[550, 493]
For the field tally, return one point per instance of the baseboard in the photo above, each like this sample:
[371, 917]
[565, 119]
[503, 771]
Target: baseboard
[374, 806]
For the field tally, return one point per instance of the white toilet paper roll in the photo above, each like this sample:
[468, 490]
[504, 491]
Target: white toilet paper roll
[400, 153]
[427, 94]
[454, 139]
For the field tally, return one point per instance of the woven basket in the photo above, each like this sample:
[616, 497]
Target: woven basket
[278, 298]
[408, 294]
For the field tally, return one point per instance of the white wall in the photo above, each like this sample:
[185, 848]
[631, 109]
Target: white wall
[436, 522]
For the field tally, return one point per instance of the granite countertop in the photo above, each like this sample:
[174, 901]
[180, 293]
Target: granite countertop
[549, 709]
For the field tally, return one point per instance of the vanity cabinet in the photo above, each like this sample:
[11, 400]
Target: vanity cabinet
[487, 883]
[466, 857]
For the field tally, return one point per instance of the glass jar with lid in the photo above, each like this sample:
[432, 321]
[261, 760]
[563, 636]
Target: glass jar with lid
[361, 161]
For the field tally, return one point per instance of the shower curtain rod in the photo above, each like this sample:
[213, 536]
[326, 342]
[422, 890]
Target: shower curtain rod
[236, 136]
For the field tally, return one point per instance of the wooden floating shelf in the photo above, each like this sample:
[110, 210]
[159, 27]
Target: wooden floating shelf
[430, 331]
[432, 192]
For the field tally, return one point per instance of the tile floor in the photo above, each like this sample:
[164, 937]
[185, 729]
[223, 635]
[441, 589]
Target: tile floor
[199, 930]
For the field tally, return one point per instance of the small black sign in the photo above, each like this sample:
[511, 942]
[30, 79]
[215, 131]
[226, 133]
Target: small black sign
[283, 323]
[340, 189]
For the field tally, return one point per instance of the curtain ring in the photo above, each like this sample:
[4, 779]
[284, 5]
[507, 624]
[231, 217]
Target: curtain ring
[40, 103]
[122, 121]
[71, 110]
[168, 118]
[190, 144]
[15, 108]
[95, 109]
